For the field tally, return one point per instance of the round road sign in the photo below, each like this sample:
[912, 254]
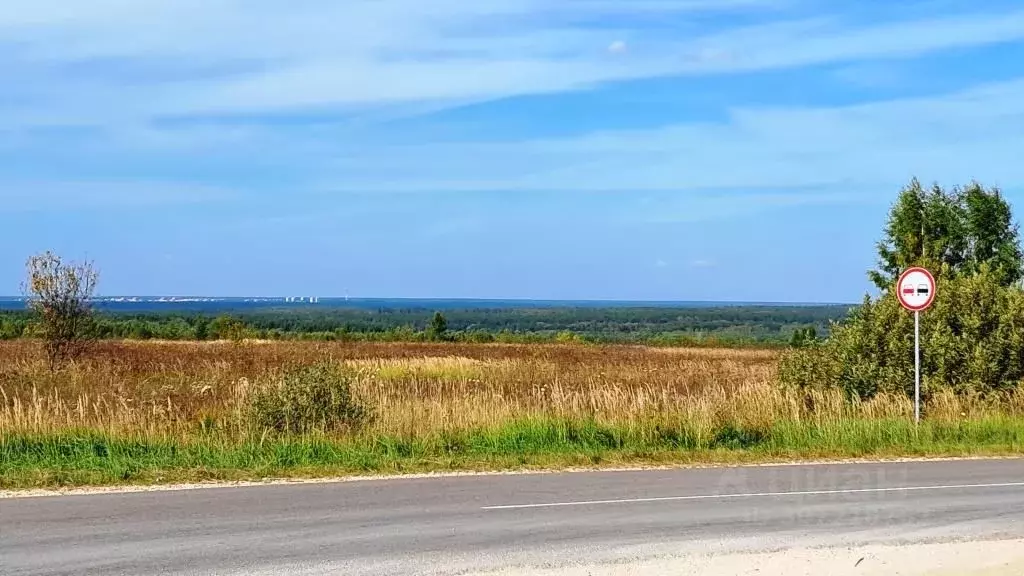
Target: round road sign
[916, 289]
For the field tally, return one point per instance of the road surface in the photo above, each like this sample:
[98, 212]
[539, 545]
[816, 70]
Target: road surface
[477, 523]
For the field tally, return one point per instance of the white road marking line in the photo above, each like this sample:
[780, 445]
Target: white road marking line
[756, 495]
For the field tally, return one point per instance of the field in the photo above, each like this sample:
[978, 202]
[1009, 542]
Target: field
[139, 412]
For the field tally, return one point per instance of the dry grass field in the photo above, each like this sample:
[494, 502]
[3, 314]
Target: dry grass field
[414, 388]
[421, 388]
[147, 405]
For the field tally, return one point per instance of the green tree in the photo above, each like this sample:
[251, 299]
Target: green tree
[227, 328]
[950, 232]
[993, 236]
[175, 329]
[803, 336]
[139, 330]
[11, 328]
[201, 328]
[438, 329]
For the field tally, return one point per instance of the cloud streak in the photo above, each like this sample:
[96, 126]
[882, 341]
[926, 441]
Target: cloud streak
[131, 64]
[58, 195]
[756, 157]
[311, 96]
[968, 134]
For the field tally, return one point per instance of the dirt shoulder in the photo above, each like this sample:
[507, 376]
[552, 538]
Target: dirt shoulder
[998, 558]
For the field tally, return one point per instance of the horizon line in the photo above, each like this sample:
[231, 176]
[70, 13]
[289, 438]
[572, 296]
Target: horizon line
[156, 299]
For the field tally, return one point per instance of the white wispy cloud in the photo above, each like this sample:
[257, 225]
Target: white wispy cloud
[974, 133]
[756, 157]
[617, 47]
[60, 195]
[151, 81]
[111, 61]
[281, 55]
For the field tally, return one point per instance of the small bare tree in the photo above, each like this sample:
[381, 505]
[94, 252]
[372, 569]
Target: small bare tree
[60, 296]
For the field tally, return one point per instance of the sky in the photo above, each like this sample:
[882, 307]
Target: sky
[743, 150]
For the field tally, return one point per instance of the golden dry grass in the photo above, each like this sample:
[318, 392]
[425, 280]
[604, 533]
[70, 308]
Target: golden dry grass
[419, 389]
[159, 412]
[413, 387]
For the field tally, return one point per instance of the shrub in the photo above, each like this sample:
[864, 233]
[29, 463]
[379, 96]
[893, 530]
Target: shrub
[228, 328]
[310, 398]
[476, 336]
[59, 294]
[972, 340]
[568, 337]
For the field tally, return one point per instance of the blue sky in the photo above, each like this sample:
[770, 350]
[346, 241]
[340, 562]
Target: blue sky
[578, 149]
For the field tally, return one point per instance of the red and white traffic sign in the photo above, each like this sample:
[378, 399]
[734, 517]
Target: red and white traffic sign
[916, 289]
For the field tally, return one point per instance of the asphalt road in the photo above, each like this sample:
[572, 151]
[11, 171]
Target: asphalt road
[444, 525]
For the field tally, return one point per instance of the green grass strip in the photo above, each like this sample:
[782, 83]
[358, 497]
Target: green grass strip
[87, 458]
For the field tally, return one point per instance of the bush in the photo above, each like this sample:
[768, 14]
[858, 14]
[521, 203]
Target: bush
[307, 399]
[476, 337]
[59, 294]
[228, 328]
[568, 337]
[972, 340]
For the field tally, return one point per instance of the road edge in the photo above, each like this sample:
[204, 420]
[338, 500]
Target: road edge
[268, 482]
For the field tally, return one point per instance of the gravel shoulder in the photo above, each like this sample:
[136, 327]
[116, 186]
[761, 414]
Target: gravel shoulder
[997, 558]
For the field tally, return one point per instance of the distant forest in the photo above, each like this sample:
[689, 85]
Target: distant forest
[737, 325]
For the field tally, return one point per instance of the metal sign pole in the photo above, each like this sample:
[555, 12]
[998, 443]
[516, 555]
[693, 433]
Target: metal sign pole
[915, 290]
[917, 367]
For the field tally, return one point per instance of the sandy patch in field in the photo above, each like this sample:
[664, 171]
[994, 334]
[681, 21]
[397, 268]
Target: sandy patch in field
[709, 352]
[1000, 558]
[429, 362]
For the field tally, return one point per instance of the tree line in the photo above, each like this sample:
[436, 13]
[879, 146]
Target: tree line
[768, 325]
